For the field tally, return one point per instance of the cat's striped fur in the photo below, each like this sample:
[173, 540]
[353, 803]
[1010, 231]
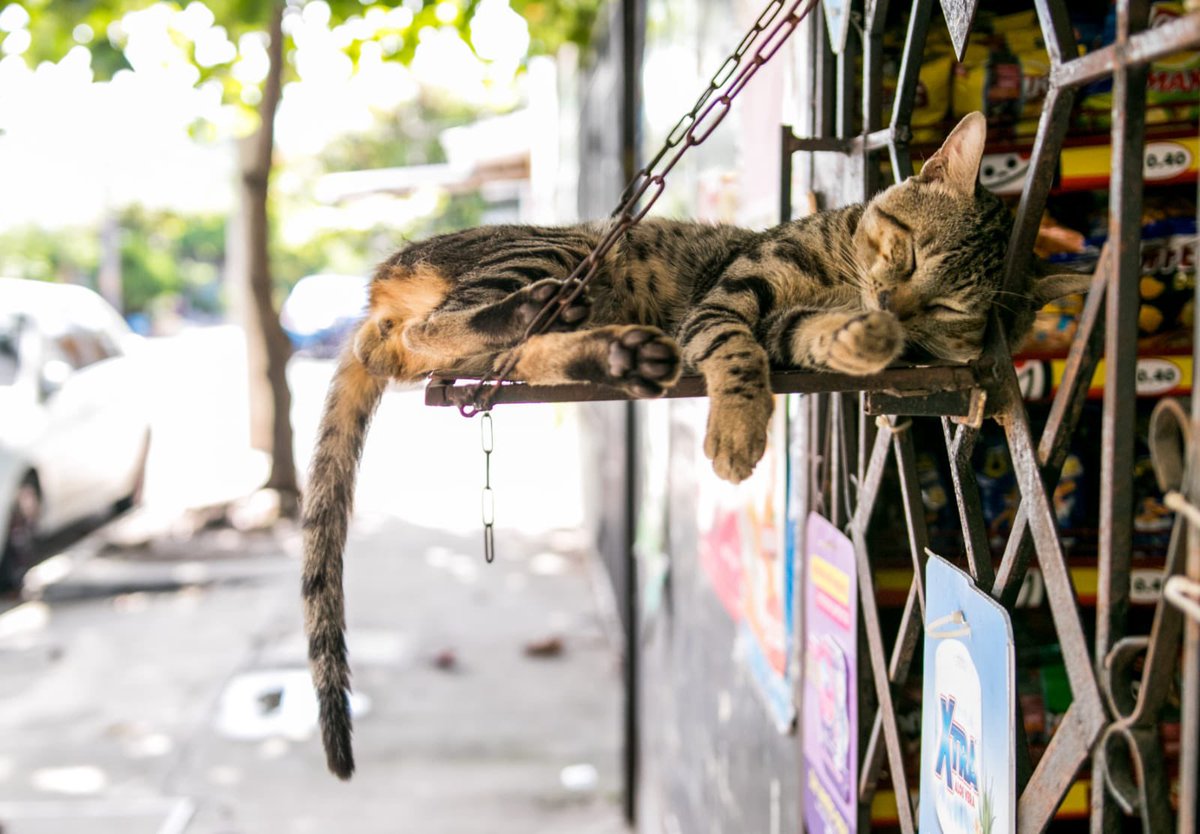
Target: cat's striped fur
[845, 290]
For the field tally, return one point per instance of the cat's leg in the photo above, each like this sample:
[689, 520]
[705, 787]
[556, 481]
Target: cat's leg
[857, 343]
[641, 360]
[718, 341]
[480, 318]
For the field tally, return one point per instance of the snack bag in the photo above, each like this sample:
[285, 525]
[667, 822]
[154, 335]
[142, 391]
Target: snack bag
[989, 80]
[932, 97]
[1172, 86]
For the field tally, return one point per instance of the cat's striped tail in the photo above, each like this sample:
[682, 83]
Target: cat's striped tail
[353, 396]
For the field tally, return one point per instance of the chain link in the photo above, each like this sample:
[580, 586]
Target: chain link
[692, 129]
[488, 498]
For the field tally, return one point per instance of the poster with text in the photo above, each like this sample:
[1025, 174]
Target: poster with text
[830, 688]
[968, 732]
[768, 583]
[744, 549]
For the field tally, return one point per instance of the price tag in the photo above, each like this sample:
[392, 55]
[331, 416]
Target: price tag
[1165, 161]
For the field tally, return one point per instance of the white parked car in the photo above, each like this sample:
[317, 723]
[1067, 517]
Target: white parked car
[74, 424]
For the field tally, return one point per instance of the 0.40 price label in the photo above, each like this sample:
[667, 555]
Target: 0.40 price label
[1166, 160]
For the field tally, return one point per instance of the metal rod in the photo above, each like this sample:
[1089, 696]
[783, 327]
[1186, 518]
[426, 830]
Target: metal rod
[1057, 32]
[631, 49]
[883, 688]
[1043, 167]
[1060, 591]
[1064, 416]
[836, 461]
[1119, 410]
[959, 445]
[906, 84]
[1142, 48]
[1056, 770]
[1189, 722]
[818, 144]
[914, 507]
[1175, 501]
[442, 390]
[904, 650]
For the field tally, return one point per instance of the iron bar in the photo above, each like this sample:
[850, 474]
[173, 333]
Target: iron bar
[1189, 723]
[1057, 32]
[872, 91]
[1043, 167]
[1141, 48]
[818, 144]
[1118, 413]
[1065, 412]
[837, 463]
[914, 507]
[785, 174]
[874, 633]
[904, 650]
[1060, 591]
[960, 442]
[444, 390]
[906, 87]
[1056, 770]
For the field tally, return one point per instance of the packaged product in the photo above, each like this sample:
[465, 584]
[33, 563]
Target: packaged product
[1172, 84]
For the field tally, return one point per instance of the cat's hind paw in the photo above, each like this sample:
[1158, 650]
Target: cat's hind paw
[644, 361]
[866, 344]
[573, 314]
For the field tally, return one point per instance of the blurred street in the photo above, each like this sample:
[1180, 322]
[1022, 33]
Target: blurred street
[156, 682]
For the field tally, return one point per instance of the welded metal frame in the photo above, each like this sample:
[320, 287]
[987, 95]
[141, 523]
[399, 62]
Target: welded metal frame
[1106, 722]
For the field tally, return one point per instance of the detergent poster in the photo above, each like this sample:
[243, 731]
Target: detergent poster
[968, 752]
[830, 699]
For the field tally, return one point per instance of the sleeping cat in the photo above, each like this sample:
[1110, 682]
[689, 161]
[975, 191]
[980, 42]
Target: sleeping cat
[919, 266]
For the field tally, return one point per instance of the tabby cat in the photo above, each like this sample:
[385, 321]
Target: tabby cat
[917, 267]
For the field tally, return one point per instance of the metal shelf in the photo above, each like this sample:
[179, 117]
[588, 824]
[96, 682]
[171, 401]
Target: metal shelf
[949, 384]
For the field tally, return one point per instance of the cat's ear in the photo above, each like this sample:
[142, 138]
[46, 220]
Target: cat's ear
[956, 163]
[1047, 288]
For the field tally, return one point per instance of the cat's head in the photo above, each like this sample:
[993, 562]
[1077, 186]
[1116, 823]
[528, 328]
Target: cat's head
[931, 250]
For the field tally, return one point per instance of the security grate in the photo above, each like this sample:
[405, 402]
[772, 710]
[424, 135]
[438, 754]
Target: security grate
[1116, 704]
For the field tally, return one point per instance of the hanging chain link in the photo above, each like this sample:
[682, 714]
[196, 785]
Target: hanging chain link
[691, 130]
[488, 498]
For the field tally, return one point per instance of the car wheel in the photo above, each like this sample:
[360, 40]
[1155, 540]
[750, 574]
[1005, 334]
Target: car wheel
[20, 542]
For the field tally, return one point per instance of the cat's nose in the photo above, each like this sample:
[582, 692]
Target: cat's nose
[885, 300]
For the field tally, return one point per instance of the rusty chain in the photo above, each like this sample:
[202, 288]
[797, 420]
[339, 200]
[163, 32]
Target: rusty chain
[692, 129]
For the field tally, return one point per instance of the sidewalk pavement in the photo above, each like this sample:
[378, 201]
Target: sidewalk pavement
[164, 690]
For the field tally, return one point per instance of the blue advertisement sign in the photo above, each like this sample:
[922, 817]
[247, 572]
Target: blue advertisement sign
[968, 740]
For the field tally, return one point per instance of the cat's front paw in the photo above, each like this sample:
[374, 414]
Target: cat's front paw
[737, 434]
[573, 314]
[866, 344]
[644, 361]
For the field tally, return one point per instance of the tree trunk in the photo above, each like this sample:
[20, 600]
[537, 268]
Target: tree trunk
[268, 346]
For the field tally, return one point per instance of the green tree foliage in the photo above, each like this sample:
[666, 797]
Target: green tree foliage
[169, 254]
[163, 253]
[254, 30]
[65, 255]
[408, 135]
